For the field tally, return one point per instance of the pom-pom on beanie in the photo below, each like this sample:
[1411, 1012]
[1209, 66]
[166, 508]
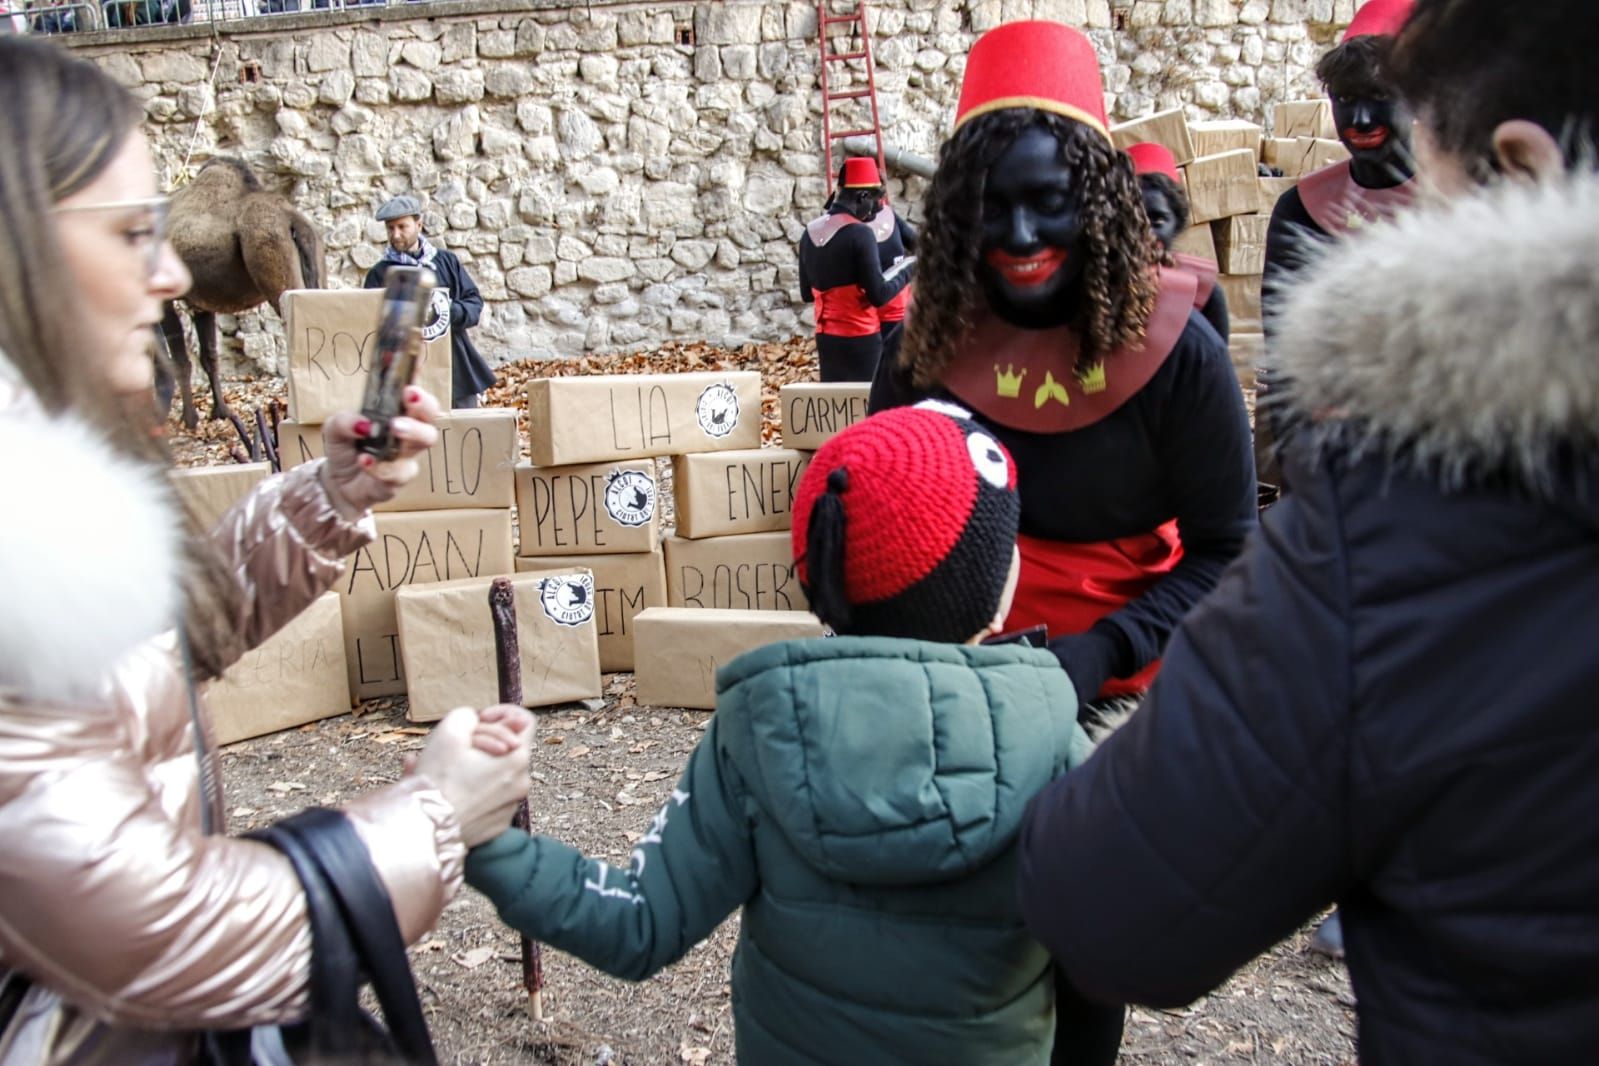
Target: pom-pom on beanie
[904, 525]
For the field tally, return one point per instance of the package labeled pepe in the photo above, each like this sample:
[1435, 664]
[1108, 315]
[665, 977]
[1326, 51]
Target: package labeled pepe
[720, 494]
[606, 417]
[744, 572]
[447, 642]
[679, 650]
[472, 465]
[333, 341]
[587, 509]
[813, 411]
[624, 585]
[297, 675]
[209, 492]
[412, 548]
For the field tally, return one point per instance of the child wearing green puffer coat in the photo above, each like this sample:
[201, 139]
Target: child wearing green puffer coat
[859, 797]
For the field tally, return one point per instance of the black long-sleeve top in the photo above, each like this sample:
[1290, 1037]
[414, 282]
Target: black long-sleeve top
[1179, 448]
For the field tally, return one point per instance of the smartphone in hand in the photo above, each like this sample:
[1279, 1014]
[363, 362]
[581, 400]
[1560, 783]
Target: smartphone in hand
[406, 294]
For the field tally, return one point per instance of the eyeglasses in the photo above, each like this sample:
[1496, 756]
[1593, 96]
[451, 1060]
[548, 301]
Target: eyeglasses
[156, 207]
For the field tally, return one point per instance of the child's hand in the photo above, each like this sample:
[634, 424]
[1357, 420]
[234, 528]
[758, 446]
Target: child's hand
[483, 788]
[500, 729]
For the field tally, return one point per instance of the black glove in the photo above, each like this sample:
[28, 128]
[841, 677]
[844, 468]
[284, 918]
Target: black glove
[1090, 659]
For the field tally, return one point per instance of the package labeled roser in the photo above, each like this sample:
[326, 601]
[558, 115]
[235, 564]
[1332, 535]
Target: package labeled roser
[590, 508]
[746, 572]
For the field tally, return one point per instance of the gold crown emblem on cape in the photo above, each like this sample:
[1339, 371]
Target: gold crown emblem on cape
[1007, 382]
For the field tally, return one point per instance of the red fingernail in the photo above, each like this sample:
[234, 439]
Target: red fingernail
[368, 461]
[413, 395]
[363, 427]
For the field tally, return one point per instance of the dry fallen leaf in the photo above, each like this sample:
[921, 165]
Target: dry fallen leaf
[694, 1056]
[471, 960]
[285, 787]
[578, 752]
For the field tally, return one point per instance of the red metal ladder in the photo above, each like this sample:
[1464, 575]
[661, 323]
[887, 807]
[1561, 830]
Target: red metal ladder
[826, 19]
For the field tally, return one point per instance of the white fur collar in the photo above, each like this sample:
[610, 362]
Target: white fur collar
[1464, 335]
[89, 552]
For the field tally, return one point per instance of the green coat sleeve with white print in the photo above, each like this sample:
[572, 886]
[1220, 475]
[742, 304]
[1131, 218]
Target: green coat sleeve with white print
[693, 867]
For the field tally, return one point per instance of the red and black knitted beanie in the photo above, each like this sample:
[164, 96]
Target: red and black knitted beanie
[904, 525]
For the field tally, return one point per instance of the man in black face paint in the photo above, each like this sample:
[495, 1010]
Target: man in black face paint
[1374, 184]
[840, 273]
[1166, 204]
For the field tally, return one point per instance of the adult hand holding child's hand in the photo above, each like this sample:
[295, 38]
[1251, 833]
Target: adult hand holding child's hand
[479, 762]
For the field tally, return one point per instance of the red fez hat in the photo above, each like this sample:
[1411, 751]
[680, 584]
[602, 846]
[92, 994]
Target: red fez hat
[1044, 65]
[861, 173]
[1150, 158]
[1380, 18]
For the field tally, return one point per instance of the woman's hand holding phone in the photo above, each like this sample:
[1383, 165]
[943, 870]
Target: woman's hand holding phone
[355, 480]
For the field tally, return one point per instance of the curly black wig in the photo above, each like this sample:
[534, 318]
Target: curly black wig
[1119, 283]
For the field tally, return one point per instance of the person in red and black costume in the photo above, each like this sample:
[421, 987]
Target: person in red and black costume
[1166, 204]
[841, 272]
[1376, 182]
[1042, 307]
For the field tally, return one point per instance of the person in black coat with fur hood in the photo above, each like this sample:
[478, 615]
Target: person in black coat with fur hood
[1389, 700]
[458, 305]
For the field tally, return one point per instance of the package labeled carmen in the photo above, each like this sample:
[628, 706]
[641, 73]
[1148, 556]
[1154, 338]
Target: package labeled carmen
[813, 411]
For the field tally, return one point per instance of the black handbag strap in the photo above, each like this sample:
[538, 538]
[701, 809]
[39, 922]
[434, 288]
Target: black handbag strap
[326, 840]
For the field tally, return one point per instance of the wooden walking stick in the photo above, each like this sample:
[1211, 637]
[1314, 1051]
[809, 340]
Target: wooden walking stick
[508, 667]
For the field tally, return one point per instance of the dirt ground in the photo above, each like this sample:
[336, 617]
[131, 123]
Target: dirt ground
[599, 772]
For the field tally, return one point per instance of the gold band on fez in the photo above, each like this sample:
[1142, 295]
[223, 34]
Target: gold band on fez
[1037, 103]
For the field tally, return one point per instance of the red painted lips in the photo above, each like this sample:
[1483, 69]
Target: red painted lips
[1027, 271]
[1366, 142]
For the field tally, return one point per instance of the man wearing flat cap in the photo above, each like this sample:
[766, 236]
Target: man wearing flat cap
[456, 302]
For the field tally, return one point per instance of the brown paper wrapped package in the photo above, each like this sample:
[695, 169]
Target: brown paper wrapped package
[720, 494]
[1271, 190]
[679, 651]
[412, 548]
[624, 585]
[208, 492]
[1247, 351]
[589, 509]
[1223, 185]
[1243, 301]
[813, 411]
[1165, 127]
[1226, 135]
[332, 336]
[447, 641]
[297, 676]
[602, 418]
[1241, 243]
[747, 572]
[1304, 118]
[1196, 240]
[472, 465]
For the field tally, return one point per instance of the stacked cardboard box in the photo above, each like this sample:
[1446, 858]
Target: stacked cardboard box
[1231, 203]
[295, 676]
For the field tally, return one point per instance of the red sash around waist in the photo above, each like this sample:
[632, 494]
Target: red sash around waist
[1069, 587]
[894, 310]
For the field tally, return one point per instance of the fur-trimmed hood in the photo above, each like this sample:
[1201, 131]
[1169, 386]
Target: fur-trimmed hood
[1461, 339]
[89, 551]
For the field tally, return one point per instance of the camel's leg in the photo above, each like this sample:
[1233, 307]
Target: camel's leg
[182, 368]
[205, 324]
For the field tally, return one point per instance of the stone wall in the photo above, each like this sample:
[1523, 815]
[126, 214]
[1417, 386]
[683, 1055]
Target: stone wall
[621, 174]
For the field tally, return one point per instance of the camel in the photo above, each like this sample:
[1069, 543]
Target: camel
[245, 246]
